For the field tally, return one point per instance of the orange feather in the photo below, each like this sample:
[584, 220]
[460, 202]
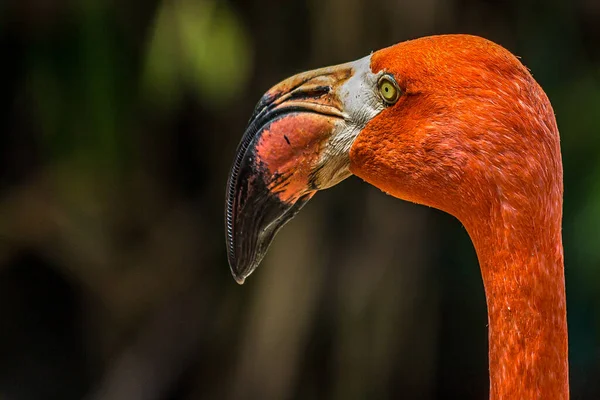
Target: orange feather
[475, 135]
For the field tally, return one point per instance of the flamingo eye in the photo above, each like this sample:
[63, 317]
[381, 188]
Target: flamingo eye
[388, 89]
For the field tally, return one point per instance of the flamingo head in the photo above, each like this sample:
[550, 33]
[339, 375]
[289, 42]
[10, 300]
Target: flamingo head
[454, 122]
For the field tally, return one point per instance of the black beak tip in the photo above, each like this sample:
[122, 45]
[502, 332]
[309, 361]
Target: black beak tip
[240, 279]
[238, 271]
[249, 248]
[247, 253]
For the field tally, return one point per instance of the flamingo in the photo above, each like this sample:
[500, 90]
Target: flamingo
[454, 122]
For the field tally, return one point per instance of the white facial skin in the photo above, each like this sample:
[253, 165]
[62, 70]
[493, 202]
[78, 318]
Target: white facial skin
[360, 103]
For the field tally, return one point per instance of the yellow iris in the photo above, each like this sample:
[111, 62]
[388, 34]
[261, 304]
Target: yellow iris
[388, 90]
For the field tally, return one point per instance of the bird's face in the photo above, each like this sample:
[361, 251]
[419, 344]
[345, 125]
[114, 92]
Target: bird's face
[297, 142]
[408, 119]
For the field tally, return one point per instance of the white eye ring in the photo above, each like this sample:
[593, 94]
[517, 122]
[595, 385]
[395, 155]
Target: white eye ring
[388, 89]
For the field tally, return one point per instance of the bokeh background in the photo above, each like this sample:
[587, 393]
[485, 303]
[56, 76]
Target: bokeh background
[118, 124]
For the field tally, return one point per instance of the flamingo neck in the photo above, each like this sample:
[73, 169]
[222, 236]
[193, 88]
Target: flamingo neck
[521, 259]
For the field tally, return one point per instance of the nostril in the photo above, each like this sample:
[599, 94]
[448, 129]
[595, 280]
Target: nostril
[311, 92]
[271, 97]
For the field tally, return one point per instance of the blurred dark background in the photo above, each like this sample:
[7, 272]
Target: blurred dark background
[118, 123]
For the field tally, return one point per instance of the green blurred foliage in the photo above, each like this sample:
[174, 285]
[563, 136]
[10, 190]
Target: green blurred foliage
[197, 45]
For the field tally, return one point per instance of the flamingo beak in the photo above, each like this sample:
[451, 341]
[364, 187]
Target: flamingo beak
[273, 174]
[297, 142]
